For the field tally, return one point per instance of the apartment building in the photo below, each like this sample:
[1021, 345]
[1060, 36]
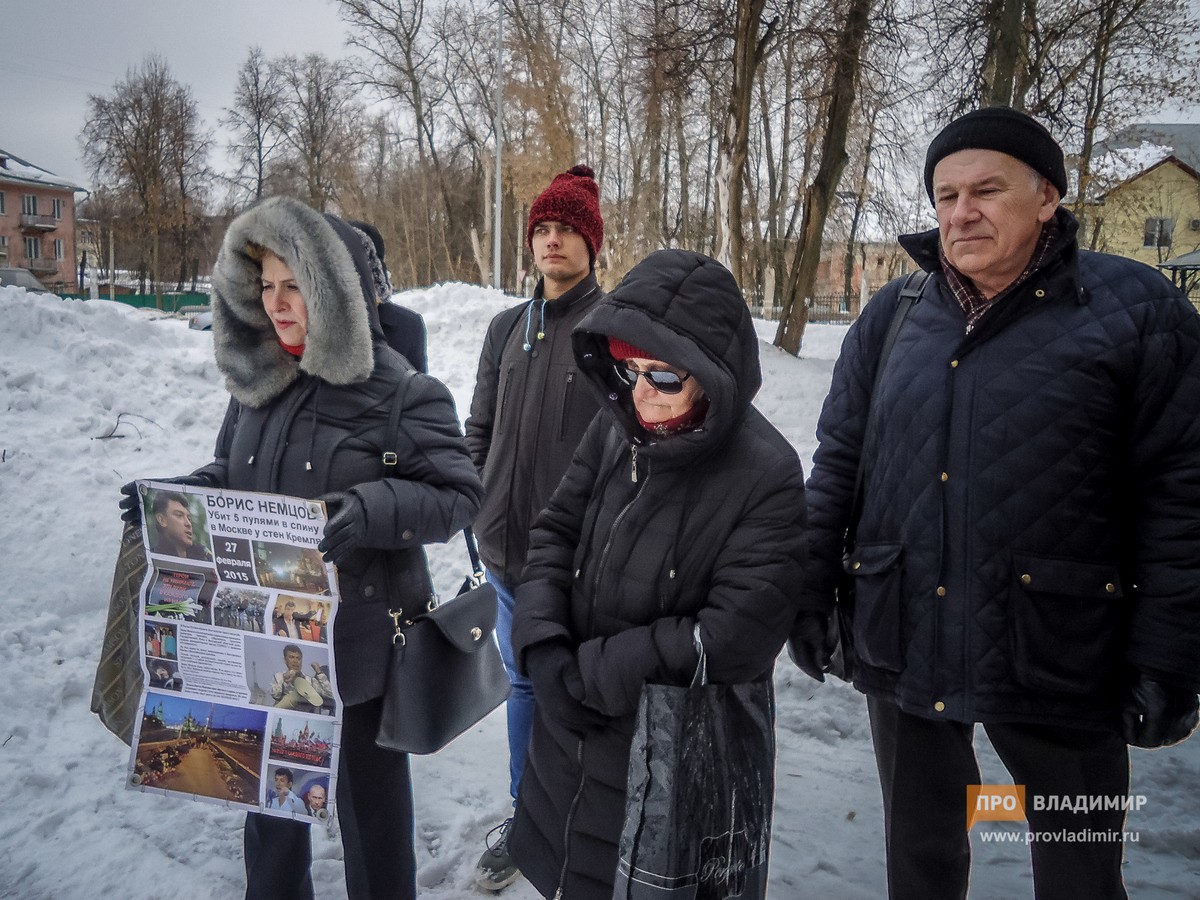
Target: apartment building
[37, 222]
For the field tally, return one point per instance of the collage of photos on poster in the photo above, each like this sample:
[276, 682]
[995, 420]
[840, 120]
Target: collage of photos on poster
[238, 610]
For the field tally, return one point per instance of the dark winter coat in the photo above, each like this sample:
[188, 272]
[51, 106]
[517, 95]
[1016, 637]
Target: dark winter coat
[404, 331]
[315, 425]
[1031, 516]
[527, 416]
[709, 532]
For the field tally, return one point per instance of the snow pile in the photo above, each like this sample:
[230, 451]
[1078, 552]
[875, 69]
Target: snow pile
[96, 394]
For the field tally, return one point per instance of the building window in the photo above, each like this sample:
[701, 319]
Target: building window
[3, 246]
[60, 249]
[33, 248]
[2, 210]
[1158, 232]
[56, 209]
[29, 204]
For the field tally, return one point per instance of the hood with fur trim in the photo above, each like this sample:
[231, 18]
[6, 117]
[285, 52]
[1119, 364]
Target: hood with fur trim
[685, 309]
[324, 255]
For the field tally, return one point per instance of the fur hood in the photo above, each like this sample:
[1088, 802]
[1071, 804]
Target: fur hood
[324, 254]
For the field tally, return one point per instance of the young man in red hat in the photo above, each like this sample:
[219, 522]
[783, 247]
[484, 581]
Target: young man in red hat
[528, 414]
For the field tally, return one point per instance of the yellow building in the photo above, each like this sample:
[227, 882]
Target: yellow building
[1151, 216]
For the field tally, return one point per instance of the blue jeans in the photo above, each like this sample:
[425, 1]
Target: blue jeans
[520, 701]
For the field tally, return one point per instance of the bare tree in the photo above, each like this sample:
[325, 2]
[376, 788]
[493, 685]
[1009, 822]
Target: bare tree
[323, 126]
[145, 141]
[255, 123]
[819, 195]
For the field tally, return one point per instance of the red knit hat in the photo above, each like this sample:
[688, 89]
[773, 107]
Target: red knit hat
[572, 198]
[622, 351]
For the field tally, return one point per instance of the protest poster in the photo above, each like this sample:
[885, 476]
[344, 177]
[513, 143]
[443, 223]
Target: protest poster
[237, 610]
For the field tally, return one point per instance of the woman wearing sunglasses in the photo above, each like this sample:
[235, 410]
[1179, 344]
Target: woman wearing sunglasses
[682, 508]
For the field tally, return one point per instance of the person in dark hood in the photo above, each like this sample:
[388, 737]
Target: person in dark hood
[683, 509]
[313, 384]
[403, 328]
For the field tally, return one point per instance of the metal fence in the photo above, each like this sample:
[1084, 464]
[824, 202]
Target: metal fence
[172, 302]
[825, 309]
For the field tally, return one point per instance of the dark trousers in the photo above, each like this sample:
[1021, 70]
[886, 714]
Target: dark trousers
[925, 767]
[374, 811]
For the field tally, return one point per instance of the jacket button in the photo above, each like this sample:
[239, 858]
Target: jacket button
[407, 534]
[1039, 293]
[368, 590]
[857, 565]
[1026, 579]
[945, 476]
[939, 706]
[1111, 588]
[941, 591]
[954, 363]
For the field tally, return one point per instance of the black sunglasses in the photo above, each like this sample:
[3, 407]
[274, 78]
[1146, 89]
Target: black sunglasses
[663, 382]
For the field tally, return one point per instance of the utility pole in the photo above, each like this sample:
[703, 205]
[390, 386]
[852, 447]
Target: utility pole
[496, 205]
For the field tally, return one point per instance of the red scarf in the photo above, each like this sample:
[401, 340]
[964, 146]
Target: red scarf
[687, 421]
[296, 350]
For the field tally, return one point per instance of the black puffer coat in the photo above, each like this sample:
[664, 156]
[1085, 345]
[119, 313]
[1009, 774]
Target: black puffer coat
[318, 424]
[1031, 515]
[643, 540]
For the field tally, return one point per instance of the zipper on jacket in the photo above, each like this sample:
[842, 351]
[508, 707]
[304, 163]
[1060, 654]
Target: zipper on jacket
[633, 458]
[609, 541]
[562, 875]
[568, 390]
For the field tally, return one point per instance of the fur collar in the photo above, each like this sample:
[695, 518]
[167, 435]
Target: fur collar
[338, 348]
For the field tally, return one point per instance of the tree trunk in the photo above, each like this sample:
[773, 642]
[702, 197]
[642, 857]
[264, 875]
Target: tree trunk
[818, 197]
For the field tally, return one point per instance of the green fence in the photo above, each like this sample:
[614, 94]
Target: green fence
[170, 302]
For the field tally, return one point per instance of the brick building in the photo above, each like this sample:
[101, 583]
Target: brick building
[37, 222]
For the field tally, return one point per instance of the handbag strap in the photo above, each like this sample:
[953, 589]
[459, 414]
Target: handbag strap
[391, 439]
[910, 293]
[477, 573]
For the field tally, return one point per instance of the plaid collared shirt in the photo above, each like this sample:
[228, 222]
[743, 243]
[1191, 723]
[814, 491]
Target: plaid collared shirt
[971, 299]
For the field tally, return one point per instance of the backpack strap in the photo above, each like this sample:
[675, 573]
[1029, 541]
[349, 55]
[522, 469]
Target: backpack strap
[910, 293]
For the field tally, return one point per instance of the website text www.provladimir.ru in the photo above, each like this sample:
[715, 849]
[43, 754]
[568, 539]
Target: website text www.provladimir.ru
[1062, 835]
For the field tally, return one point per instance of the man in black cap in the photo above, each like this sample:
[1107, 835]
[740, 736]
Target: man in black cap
[1024, 521]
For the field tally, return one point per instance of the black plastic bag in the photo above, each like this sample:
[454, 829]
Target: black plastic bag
[700, 794]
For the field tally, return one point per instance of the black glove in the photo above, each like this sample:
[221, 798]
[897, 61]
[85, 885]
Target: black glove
[131, 503]
[346, 528]
[1155, 714]
[809, 644]
[554, 673]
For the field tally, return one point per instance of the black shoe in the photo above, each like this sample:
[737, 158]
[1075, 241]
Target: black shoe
[496, 870]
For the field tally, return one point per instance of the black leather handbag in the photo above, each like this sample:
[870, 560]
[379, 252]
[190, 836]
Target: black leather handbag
[445, 672]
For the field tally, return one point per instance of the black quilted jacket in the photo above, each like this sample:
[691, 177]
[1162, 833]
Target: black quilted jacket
[1031, 517]
[709, 533]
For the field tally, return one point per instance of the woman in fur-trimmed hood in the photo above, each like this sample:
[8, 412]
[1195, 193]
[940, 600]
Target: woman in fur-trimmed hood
[313, 384]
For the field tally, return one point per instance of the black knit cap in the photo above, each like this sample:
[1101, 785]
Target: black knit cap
[1004, 130]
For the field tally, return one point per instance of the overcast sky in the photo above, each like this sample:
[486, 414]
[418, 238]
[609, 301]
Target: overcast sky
[57, 52]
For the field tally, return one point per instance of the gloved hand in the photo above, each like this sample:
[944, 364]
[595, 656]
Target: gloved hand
[131, 503]
[809, 644]
[557, 685]
[1155, 714]
[346, 528]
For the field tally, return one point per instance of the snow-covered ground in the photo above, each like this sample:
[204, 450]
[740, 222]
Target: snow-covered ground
[95, 394]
